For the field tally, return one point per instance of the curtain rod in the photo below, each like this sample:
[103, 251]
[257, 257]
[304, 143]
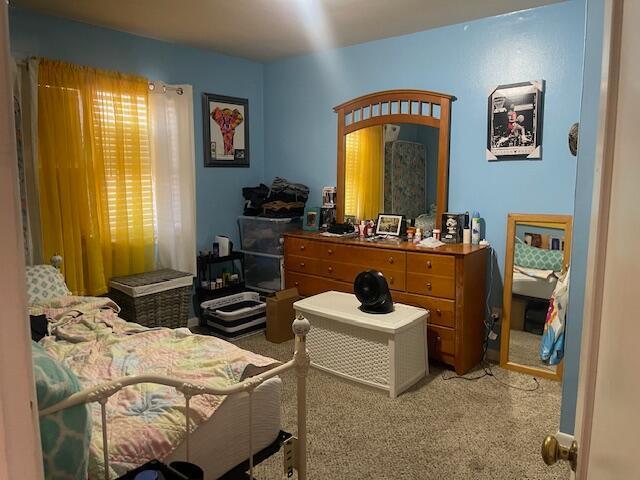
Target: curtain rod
[178, 90]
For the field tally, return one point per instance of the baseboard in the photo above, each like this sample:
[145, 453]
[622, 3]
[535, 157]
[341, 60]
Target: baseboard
[193, 322]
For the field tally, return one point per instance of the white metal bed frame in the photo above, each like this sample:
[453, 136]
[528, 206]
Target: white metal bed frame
[300, 362]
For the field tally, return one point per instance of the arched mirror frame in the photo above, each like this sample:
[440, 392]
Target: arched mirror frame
[564, 222]
[397, 106]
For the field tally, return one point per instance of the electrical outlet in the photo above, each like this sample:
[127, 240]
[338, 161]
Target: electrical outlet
[496, 313]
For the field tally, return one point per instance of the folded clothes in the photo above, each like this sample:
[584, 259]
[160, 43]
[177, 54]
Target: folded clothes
[299, 191]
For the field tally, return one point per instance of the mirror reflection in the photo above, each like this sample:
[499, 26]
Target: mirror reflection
[539, 293]
[391, 168]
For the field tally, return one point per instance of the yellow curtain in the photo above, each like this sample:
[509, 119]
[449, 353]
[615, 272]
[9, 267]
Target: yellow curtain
[364, 173]
[96, 191]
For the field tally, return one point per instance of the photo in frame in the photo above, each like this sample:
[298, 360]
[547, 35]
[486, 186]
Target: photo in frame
[514, 129]
[311, 220]
[389, 224]
[225, 131]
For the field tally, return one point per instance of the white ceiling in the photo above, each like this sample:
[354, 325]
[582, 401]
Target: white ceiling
[266, 30]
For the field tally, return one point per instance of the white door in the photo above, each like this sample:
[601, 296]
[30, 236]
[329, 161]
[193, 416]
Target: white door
[608, 416]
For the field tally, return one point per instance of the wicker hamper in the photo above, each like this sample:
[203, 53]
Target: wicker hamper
[154, 299]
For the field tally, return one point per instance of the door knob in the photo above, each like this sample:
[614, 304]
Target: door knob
[552, 451]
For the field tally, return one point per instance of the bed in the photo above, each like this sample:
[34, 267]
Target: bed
[533, 283]
[138, 380]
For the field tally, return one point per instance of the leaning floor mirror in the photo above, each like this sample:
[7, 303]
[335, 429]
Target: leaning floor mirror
[536, 293]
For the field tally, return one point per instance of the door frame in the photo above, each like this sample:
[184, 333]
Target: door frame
[596, 257]
[20, 453]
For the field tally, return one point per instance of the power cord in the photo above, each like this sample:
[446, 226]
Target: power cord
[487, 368]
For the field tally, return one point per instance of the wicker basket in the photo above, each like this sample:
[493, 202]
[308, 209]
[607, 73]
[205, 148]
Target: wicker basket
[154, 299]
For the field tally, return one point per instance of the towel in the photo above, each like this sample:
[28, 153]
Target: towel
[552, 343]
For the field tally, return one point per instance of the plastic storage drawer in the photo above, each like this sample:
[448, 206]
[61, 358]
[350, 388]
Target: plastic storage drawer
[264, 235]
[263, 272]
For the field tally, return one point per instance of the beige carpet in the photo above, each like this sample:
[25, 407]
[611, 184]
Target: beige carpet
[524, 348]
[438, 430]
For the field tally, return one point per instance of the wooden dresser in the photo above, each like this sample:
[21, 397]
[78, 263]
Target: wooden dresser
[449, 281]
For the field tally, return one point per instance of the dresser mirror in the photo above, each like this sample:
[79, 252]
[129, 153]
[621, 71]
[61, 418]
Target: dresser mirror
[393, 156]
[536, 293]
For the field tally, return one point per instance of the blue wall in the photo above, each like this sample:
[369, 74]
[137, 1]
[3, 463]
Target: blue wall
[468, 61]
[464, 60]
[584, 191]
[218, 194]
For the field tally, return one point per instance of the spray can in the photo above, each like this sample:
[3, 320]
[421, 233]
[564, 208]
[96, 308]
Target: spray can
[475, 228]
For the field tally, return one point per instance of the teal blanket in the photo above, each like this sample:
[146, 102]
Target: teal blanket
[65, 435]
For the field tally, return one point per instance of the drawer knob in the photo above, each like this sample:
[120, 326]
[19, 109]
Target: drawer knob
[391, 260]
[330, 269]
[297, 283]
[301, 264]
[438, 311]
[428, 285]
[438, 338]
[391, 280]
[428, 263]
[302, 247]
[330, 252]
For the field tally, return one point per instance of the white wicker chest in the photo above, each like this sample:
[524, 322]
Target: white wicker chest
[386, 351]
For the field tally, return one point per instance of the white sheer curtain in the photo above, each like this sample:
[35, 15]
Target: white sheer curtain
[25, 92]
[173, 155]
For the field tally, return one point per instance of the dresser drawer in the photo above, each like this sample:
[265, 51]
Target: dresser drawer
[308, 285]
[440, 341]
[347, 272]
[441, 311]
[371, 258]
[302, 264]
[301, 247]
[431, 285]
[442, 265]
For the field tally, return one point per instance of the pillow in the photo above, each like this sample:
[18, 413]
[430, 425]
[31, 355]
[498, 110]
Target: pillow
[540, 258]
[45, 282]
[65, 435]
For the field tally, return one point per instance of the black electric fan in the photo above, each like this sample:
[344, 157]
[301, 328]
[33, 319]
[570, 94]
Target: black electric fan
[372, 291]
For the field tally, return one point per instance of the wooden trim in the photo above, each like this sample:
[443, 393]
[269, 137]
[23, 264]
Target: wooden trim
[393, 95]
[443, 161]
[20, 452]
[393, 118]
[340, 191]
[377, 100]
[598, 232]
[530, 219]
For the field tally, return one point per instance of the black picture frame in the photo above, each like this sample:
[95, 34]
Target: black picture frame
[515, 121]
[388, 220]
[212, 137]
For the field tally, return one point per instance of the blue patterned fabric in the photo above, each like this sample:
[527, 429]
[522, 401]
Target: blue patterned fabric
[45, 282]
[65, 435]
[532, 257]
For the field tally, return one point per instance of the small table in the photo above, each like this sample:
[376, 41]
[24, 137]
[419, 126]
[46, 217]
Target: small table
[386, 351]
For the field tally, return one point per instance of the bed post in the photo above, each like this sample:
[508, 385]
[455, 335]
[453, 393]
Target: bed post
[301, 327]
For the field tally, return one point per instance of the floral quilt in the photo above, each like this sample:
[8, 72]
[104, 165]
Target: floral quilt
[145, 421]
